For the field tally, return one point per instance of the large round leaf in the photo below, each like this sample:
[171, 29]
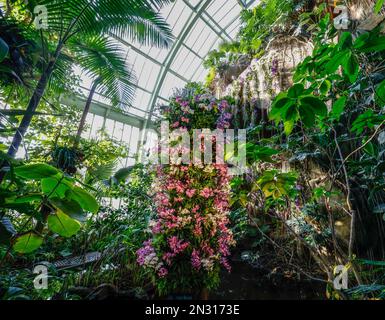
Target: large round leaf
[27, 243]
[28, 198]
[63, 225]
[36, 171]
[86, 200]
[69, 207]
[55, 187]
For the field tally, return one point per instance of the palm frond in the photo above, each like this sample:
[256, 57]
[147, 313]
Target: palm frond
[100, 173]
[104, 62]
[137, 19]
[63, 70]
[367, 290]
[122, 174]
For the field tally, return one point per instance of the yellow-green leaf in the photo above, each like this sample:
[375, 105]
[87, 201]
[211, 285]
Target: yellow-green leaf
[63, 225]
[86, 200]
[27, 243]
[36, 171]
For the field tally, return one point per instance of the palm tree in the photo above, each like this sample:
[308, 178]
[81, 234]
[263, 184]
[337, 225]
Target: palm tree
[81, 19]
[104, 63]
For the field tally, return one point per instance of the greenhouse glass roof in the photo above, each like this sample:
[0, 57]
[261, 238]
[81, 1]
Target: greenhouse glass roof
[198, 26]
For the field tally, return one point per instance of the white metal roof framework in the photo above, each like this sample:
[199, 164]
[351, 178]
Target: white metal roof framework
[198, 26]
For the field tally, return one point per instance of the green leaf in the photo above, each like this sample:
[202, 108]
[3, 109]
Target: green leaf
[286, 112]
[230, 151]
[290, 113]
[361, 40]
[123, 173]
[325, 87]
[261, 153]
[296, 91]
[345, 41]
[307, 115]
[374, 45]
[368, 119]
[338, 107]
[289, 116]
[337, 60]
[318, 106]
[378, 6]
[55, 188]
[36, 171]
[26, 199]
[351, 67]
[256, 43]
[380, 94]
[69, 207]
[275, 184]
[324, 22]
[281, 102]
[370, 149]
[86, 200]
[27, 243]
[25, 208]
[63, 225]
[289, 126]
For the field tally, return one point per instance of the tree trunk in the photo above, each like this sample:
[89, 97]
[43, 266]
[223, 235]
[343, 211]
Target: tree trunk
[85, 112]
[32, 106]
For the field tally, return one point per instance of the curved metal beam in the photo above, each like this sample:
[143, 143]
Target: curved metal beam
[194, 16]
[198, 12]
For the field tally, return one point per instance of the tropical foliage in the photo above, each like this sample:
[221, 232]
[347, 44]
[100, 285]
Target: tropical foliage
[190, 236]
[310, 201]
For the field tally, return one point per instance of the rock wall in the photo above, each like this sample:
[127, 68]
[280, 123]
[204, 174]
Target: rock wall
[264, 78]
[361, 13]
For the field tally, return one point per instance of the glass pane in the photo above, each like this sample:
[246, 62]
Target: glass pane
[149, 62]
[96, 126]
[170, 83]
